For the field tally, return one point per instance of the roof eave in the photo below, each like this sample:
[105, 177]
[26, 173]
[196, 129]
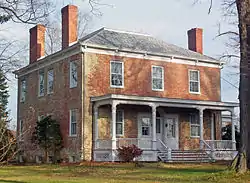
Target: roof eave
[151, 54]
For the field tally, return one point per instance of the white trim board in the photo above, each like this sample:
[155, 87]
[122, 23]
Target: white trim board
[149, 57]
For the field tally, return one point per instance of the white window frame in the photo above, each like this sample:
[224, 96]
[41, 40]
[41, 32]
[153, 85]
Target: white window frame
[39, 88]
[70, 122]
[196, 125]
[189, 81]
[114, 86]
[48, 89]
[152, 78]
[72, 83]
[121, 122]
[149, 126]
[23, 90]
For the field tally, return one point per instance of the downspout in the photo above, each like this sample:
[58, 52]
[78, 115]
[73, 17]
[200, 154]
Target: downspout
[83, 99]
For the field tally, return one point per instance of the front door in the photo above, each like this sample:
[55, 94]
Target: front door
[171, 131]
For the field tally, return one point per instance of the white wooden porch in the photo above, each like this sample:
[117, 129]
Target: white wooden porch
[153, 145]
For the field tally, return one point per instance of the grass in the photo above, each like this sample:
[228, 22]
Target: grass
[116, 173]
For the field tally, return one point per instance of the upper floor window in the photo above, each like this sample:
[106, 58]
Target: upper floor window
[119, 122]
[194, 125]
[50, 81]
[73, 75]
[116, 74]
[157, 78]
[72, 127]
[41, 84]
[194, 81]
[23, 91]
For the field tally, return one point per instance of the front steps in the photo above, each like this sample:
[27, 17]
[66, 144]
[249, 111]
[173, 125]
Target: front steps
[189, 156]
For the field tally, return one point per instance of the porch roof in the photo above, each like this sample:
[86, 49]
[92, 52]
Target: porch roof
[160, 101]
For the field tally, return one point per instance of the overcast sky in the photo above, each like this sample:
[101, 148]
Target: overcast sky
[168, 20]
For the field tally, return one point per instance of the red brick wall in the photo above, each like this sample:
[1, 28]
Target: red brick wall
[58, 103]
[137, 79]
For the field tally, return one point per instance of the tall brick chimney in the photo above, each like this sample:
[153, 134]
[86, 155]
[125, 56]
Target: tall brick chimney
[69, 25]
[195, 40]
[37, 42]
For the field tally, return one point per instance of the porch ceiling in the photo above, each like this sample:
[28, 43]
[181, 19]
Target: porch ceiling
[158, 101]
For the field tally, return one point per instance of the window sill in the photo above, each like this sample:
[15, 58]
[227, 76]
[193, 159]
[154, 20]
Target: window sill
[116, 86]
[72, 136]
[160, 90]
[194, 136]
[195, 93]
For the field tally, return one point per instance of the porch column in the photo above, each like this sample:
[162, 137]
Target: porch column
[201, 126]
[96, 127]
[113, 130]
[234, 118]
[154, 127]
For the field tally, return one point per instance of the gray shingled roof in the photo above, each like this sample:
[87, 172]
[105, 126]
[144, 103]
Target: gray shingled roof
[139, 43]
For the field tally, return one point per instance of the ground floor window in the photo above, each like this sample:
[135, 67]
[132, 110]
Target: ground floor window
[194, 125]
[119, 122]
[145, 126]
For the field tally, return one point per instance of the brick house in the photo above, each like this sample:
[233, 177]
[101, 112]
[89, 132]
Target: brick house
[113, 88]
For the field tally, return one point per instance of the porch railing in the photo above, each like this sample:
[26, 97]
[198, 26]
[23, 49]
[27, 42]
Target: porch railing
[220, 144]
[163, 147]
[141, 143]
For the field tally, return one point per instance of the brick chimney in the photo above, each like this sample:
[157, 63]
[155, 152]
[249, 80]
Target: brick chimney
[195, 40]
[37, 42]
[69, 25]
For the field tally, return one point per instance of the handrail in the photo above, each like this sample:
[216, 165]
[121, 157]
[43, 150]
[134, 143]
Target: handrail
[164, 145]
[205, 143]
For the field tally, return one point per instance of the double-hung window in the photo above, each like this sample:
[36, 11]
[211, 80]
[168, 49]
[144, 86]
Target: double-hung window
[23, 91]
[194, 81]
[73, 74]
[50, 81]
[145, 126]
[119, 122]
[194, 125]
[116, 74]
[41, 84]
[72, 127]
[157, 78]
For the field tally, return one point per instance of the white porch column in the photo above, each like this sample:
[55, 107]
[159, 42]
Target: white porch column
[234, 118]
[113, 130]
[154, 127]
[201, 126]
[96, 127]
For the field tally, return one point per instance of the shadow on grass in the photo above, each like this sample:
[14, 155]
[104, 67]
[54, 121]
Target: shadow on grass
[11, 181]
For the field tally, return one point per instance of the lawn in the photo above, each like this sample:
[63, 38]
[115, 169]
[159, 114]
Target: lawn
[98, 173]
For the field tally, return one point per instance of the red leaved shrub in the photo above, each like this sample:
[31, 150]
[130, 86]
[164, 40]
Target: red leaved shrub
[129, 153]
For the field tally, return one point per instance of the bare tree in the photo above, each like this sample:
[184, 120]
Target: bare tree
[24, 11]
[241, 9]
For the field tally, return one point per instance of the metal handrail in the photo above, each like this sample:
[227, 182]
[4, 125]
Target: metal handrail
[164, 145]
[206, 144]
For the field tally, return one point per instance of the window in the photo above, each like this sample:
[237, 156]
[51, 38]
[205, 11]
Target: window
[72, 127]
[194, 125]
[158, 125]
[145, 126]
[194, 81]
[23, 91]
[50, 81]
[41, 84]
[119, 122]
[73, 75]
[21, 130]
[116, 74]
[157, 78]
